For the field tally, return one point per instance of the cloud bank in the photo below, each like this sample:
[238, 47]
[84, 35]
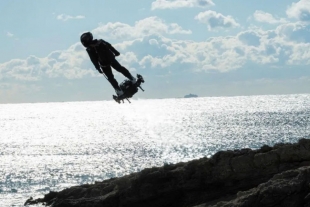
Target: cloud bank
[66, 17]
[149, 44]
[261, 16]
[216, 20]
[299, 10]
[141, 28]
[175, 4]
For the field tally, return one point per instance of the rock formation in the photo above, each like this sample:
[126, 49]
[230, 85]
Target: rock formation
[269, 176]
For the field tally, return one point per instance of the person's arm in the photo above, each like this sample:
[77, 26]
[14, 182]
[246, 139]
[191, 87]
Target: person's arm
[93, 57]
[115, 52]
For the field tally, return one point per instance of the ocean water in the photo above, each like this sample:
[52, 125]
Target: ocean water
[51, 146]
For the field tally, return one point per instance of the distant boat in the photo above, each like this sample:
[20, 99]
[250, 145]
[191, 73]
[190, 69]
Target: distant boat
[191, 96]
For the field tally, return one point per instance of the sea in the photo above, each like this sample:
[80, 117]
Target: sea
[52, 146]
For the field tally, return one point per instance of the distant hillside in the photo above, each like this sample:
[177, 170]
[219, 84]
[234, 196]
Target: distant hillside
[190, 96]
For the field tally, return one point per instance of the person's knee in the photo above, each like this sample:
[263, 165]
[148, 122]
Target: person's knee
[111, 78]
[109, 75]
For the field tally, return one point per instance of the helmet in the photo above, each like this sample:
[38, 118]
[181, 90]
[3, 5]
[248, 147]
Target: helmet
[86, 38]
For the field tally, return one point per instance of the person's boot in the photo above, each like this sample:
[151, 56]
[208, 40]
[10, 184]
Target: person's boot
[119, 92]
[133, 80]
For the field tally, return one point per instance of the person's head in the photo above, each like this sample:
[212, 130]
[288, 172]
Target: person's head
[86, 39]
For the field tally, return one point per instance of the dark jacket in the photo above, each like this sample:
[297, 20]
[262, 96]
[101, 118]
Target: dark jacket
[102, 54]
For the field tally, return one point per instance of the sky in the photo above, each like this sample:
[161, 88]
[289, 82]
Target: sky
[206, 47]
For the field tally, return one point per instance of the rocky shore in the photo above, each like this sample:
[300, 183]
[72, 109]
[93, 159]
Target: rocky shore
[270, 176]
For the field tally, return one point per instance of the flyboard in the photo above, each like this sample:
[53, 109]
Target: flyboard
[129, 89]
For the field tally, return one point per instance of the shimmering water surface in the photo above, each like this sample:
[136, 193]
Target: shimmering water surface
[51, 146]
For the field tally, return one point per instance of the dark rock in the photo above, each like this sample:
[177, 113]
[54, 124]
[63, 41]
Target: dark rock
[269, 176]
[289, 189]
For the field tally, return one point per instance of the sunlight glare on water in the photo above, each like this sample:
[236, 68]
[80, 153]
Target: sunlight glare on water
[51, 146]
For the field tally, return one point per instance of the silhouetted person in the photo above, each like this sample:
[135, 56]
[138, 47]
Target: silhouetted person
[102, 54]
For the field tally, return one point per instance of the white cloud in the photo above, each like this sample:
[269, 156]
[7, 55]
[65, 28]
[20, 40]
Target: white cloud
[218, 54]
[65, 17]
[128, 58]
[9, 34]
[173, 4]
[216, 20]
[156, 51]
[144, 27]
[159, 52]
[265, 17]
[250, 38]
[273, 47]
[299, 10]
[147, 47]
[70, 63]
[294, 32]
[286, 45]
[27, 69]
[300, 55]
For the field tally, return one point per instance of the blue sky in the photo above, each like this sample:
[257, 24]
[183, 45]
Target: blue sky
[206, 47]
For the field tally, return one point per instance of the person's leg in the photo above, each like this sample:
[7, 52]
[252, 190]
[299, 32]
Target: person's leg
[115, 64]
[107, 70]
